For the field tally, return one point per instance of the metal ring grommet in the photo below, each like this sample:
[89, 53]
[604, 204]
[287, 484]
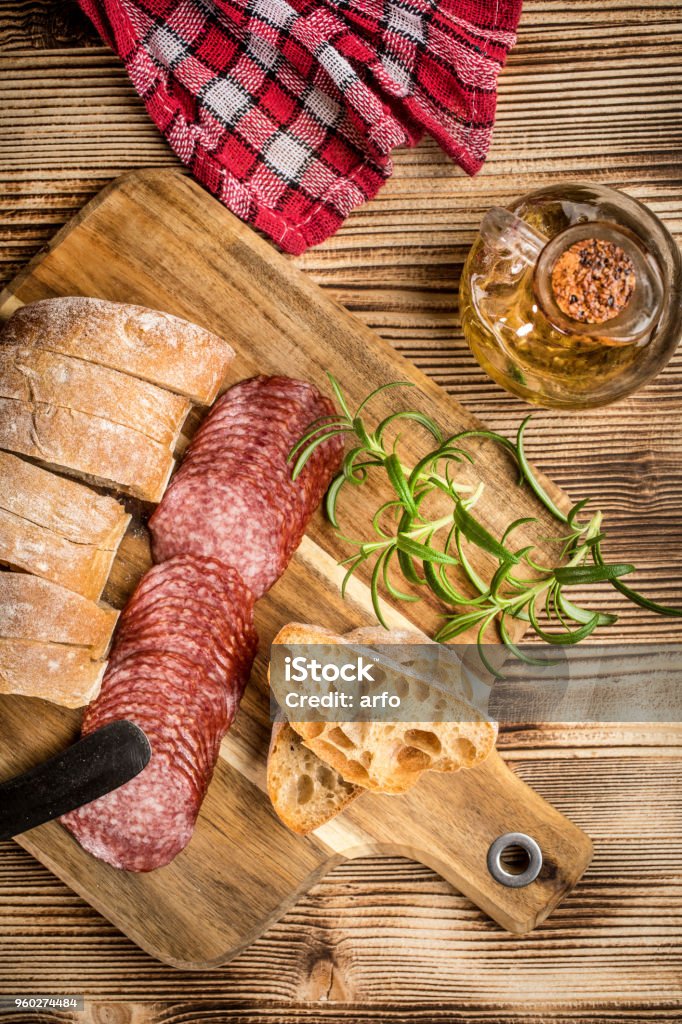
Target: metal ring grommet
[500, 873]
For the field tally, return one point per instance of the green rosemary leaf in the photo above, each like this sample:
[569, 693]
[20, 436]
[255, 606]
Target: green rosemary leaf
[569, 575]
[517, 522]
[550, 600]
[408, 570]
[399, 595]
[400, 484]
[635, 596]
[528, 475]
[339, 397]
[486, 435]
[559, 613]
[355, 474]
[477, 534]
[494, 671]
[577, 508]
[582, 615]
[380, 513]
[332, 498]
[382, 387]
[362, 434]
[320, 432]
[468, 568]
[443, 589]
[573, 636]
[374, 590]
[589, 542]
[310, 448]
[406, 563]
[424, 552]
[529, 659]
[502, 573]
[358, 560]
[418, 417]
[457, 624]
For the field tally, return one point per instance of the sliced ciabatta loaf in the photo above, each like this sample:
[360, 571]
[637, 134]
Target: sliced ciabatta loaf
[144, 343]
[89, 447]
[305, 791]
[52, 642]
[390, 757]
[37, 610]
[56, 672]
[57, 528]
[30, 374]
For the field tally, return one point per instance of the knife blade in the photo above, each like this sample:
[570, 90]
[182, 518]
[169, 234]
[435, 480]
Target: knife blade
[88, 769]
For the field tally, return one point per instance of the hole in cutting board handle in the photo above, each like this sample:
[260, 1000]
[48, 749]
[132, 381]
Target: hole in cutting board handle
[529, 850]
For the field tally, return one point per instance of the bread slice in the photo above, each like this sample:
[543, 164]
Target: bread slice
[68, 508]
[305, 792]
[390, 757]
[57, 528]
[36, 610]
[156, 347]
[55, 672]
[86, 446]
[36, 375]
[79, 567]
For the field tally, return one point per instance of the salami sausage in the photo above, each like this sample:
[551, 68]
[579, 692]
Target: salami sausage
[181, 659]
[233, 497]
[222, 535]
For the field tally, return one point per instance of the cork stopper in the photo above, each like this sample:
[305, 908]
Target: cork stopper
[593, 281]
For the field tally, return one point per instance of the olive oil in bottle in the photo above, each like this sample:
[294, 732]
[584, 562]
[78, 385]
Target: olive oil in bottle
[567, 298]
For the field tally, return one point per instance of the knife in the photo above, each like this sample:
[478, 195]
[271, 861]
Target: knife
[90, 768]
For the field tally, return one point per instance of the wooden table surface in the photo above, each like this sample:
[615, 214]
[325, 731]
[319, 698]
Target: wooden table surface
[592, 91]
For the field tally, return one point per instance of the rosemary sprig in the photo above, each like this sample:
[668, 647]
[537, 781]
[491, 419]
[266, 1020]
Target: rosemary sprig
[425, 550]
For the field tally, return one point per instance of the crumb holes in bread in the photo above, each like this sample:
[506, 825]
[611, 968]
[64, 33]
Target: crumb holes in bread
[352, 769]
[357, 771]
[424, 740]
[466, 750]
[379, 678]
[325, 776]
[340, 739]
[422, 691]
[314, 729]
[304, 789]
[402, 688]
[413, 759]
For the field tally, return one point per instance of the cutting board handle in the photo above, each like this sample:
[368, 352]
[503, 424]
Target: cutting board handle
[449, 822]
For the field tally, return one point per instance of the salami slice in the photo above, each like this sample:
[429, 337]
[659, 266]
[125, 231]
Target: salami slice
[233, 497]
[181, 658]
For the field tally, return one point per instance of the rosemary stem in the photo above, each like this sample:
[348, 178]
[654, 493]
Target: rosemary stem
[432, 527]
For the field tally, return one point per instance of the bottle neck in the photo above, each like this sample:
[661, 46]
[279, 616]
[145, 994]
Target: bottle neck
[590, 267]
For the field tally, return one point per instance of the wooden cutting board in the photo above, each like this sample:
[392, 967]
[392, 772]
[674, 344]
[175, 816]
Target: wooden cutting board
[158, 239]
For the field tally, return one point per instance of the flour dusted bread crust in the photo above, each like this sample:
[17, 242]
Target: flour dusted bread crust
[68, 508]
[55, 672]
[156, 347]
[36, 610]
[89, 447]
[305, 791]
[57, 528]
[30, 374]
[390, 757]
[52, 641]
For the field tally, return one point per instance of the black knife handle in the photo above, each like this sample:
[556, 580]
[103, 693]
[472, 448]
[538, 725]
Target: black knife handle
[95, 765]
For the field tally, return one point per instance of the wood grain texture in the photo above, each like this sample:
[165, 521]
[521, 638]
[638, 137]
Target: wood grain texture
[138, 240]
[592, 90]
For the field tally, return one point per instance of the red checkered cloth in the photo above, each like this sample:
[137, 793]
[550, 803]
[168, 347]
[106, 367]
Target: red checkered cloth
[288, 110]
